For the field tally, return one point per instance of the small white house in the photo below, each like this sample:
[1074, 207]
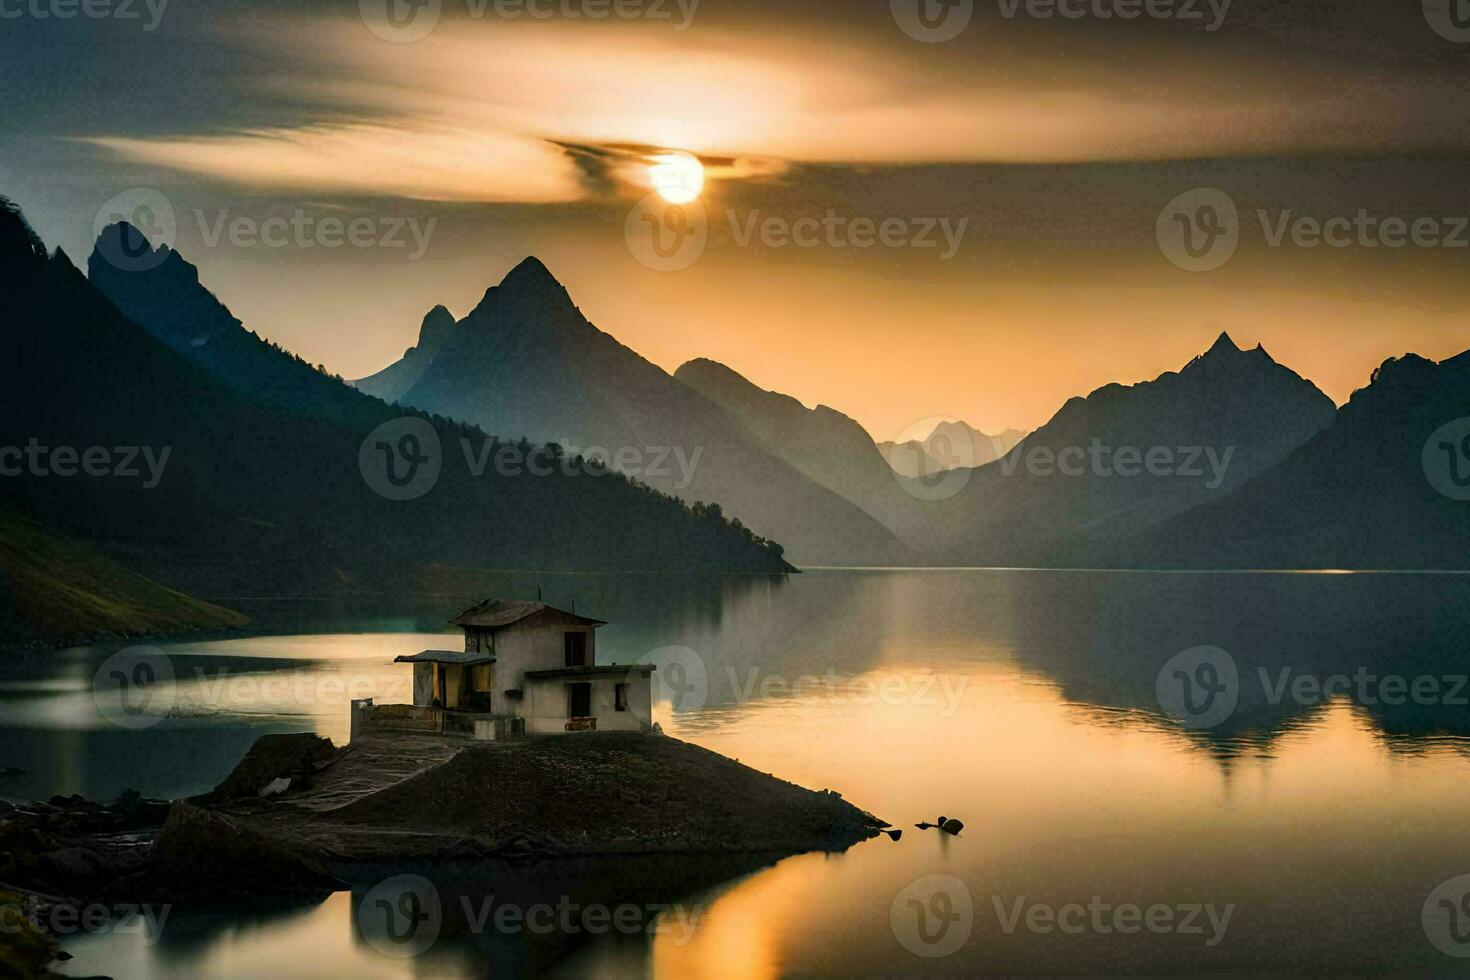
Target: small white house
[526, 668]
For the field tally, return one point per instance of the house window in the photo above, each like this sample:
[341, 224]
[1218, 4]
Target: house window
[575, 646]
[579, 700]
[620, 697]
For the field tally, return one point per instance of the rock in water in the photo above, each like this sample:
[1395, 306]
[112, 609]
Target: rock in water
[952, 826]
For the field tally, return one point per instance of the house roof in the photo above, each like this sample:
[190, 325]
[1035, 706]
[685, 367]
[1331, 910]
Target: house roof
[601, 671]
[495, 613]
[446, 657]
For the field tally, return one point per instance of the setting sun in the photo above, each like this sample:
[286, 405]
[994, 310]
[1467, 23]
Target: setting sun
[678, 177]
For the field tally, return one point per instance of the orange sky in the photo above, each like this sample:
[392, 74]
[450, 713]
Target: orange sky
[1057, 144]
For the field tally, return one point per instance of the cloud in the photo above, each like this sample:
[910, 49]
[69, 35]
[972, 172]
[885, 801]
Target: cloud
[496, 111]
[422, 162]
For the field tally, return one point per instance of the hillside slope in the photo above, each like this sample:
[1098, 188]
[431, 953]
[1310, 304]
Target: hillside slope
[526, 361]
[56, 591]
[262, 497]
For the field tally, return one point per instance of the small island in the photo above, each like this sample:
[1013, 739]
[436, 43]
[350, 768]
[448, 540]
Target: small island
[518, 749]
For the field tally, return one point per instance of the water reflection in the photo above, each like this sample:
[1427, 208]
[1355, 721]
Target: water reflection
[1025, 703]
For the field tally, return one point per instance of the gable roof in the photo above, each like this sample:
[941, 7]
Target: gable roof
[495, 613]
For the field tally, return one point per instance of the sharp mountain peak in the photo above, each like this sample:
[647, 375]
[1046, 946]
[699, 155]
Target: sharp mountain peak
[1226, 349]
[528, 282]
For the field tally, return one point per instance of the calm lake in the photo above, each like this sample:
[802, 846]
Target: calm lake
[1301, 812]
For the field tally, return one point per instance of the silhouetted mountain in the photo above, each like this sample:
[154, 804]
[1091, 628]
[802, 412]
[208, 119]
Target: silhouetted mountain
[1360, 494]
[1129, 457]
[822, 443]
[258, 496]
[526, 360]
[390, 383]
[949, 445]
[160, 291]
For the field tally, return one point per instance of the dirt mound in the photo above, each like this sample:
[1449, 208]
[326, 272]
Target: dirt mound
[610, 793]
[294, 758]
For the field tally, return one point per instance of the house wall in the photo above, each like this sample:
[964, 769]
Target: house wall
[532, 644]
[545, 705]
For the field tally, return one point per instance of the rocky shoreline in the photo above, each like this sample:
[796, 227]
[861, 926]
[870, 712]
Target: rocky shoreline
[299, 816]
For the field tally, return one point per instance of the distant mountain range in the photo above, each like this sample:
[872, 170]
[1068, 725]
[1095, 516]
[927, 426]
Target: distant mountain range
[821, 443]
[526, 361]
[948, 446]
[1127, 458]
[1187, 468]
[1382, 486]
[265, 487]
[1232, 461]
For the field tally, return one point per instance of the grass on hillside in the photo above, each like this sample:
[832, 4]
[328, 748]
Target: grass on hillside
[56, 590]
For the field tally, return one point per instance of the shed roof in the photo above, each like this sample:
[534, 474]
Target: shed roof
[446, 657]
[495, 613]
